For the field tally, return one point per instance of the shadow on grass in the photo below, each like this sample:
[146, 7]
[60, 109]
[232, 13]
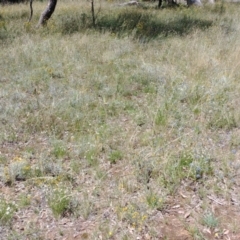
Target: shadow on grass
[136, 23]
[144, 26]
[2, 28]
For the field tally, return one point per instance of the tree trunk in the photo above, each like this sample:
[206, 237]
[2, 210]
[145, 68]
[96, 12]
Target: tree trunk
[47, 13]
[31, 10]
[159, 3]
[93, 13]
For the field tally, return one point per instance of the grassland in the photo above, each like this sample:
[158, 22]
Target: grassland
[126, 130]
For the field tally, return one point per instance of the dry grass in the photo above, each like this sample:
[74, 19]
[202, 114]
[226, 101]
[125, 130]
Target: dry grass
[114, 133]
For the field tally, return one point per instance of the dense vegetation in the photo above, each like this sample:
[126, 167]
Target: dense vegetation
[128, 129]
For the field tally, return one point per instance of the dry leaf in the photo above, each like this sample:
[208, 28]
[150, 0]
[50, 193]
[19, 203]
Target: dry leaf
[207, 230]
[184, 196]
[187, 214]
[225, 231]
[176, 206]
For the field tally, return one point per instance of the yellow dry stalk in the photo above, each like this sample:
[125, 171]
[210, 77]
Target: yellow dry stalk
[2, 25]
[140, 26]
[135, 218]
[46, 180]
[18, 159]
[6, 174]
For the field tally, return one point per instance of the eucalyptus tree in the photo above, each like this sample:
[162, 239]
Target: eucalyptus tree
[46, 14]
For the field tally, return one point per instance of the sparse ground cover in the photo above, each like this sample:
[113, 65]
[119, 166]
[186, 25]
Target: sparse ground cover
[126, 131]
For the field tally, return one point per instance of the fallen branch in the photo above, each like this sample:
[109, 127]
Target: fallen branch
[216, 201]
